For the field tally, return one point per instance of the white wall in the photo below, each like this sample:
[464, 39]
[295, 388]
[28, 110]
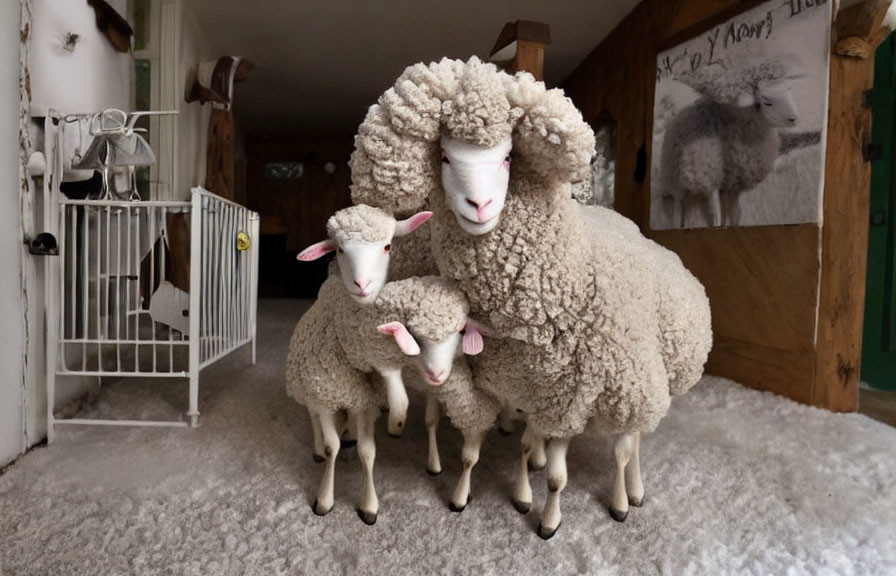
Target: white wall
[12, 431]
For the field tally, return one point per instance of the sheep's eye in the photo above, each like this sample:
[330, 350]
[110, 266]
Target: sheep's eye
[766, 103]
[387, 248]
[445, 159]
[507, 159]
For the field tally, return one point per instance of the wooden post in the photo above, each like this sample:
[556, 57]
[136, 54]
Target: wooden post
[847, 188]
[529, 38]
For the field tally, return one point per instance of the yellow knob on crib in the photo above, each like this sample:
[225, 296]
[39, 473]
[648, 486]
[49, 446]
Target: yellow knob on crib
[242, 241]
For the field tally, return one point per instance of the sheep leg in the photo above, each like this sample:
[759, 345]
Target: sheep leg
[677, 212]
[538, 458]
[397, 397]
[623, 451]
[434, 464]
[732, 209]
[470, 453]
[350, 431]
[367, 453]
[330, 431]
[318, 438]
[715, 208]
[506, 420]
[522, 493]
[633, 484]
[556, 473]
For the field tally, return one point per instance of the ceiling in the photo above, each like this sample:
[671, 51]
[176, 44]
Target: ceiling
[321, 63]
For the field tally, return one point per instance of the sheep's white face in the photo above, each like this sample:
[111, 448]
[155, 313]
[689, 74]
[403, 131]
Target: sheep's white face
[776, 103]
[364, 265]
[435, 360]
[475, 180]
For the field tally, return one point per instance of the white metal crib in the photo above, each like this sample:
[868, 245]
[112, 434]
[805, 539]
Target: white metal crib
[119, 305]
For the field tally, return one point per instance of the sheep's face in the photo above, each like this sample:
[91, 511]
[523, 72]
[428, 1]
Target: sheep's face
[435, 359]
[364, 265]
[776, 103]
[475, 180]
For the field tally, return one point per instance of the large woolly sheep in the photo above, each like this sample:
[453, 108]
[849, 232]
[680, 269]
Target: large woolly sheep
[725, 143]
[604, 323]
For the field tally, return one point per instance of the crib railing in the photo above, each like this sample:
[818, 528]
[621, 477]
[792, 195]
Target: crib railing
[130, 301]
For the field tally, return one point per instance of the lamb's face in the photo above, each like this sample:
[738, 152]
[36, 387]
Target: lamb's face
[776, 103]
[364, 264]
[435, 360]
[475, 180]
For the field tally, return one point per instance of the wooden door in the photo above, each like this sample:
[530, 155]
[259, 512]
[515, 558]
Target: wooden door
[879, 340]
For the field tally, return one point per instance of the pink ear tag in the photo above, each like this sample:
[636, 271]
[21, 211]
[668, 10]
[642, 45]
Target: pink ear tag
[317, 250]
[403, 338]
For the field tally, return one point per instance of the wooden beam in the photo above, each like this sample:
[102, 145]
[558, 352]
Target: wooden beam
[531, 38]
[844, 243]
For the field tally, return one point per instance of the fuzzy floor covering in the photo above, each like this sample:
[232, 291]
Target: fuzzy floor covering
[738, 482]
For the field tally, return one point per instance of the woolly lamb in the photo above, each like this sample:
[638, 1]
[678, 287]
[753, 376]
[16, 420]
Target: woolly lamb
[605, 324]
[724, 144]
[362, 237]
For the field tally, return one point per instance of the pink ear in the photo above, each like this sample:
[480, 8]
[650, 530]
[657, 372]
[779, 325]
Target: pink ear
[403, 338]
[315, 251]
[408, 225]
[472, 342]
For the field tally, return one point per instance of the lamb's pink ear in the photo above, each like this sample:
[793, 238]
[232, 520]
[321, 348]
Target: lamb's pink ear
[403, 338]
[315, 251]
[472, 342]
[408, 225]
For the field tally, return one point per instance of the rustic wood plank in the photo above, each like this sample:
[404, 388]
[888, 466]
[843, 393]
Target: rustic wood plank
[762, 283]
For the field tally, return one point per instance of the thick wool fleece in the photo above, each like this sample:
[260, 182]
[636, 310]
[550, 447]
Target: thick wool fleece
[412, 255]
[360, 224]
[469, 408]
[711, 147]
[602, 323]
[318, 374]
[396, 163]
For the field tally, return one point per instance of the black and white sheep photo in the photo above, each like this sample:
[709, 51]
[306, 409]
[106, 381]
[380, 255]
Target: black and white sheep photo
[739, 112]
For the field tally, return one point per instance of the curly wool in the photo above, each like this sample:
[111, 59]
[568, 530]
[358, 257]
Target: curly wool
[430, 306]
[360, 224]
[603, 323]
[396, 163]
[318, 374]
[469, 408]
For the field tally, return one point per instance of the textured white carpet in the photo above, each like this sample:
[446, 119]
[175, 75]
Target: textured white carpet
[738, 482]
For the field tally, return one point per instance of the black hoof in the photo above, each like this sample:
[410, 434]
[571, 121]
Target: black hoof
[533, 468]
[314, 507]
[546, 534]
[368, 518]
[318, 458]
[453, 508]
[348, 443]
[504, 432]
[636, 502]
[617, 515]
[521, 507]
[433, 472]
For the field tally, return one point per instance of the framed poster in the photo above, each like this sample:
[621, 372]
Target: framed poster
[739, 121]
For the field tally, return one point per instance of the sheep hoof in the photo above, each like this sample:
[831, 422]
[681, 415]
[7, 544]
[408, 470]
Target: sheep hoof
[521, 507]
[368, 518]
[347, 443]
[318, 458]
[547, 533]
[318, 509]
[455, 508]
[636, 502]
[433, 472]
[535, 467]
[617, 515]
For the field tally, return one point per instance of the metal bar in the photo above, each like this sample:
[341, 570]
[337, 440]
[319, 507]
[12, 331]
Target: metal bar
[97, 422]
[124, 374]
[118, 288]
[124, 203]
[253, 282]
[137, 300]
[99, 283]
[116, 341]
[196, 217]
[152, 278]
